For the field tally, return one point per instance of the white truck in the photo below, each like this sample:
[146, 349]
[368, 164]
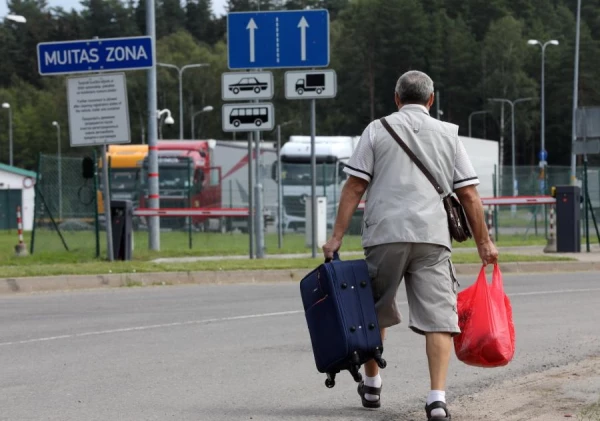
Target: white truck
[332, 152]
[232, 158]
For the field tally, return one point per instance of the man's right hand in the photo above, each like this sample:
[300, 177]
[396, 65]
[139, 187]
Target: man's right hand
[488, 253]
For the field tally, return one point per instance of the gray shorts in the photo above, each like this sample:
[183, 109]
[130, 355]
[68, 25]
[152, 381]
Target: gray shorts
[431, 285]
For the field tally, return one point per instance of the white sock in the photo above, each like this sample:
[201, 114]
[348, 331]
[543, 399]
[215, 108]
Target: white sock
[434, 396]
[372, 382]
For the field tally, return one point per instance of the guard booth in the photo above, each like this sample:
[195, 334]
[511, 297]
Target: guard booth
[587, 143]
[121, 213]
[568, 219]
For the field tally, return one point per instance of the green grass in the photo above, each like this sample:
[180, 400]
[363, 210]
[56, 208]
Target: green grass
[82, 244]
[101, 267]
[50, 257]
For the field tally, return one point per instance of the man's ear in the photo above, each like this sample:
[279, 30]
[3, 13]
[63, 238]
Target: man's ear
[431, 100]
[397, 100]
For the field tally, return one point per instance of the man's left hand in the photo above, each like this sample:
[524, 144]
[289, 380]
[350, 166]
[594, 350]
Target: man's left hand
[331, 247]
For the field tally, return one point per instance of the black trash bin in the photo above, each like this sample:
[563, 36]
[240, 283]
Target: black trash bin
[568, 219]
[121, 212]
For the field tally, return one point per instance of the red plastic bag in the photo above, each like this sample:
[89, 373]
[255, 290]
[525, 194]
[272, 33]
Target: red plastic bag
[487, 337]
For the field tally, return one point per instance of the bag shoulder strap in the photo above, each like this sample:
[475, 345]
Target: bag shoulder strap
[412, 156]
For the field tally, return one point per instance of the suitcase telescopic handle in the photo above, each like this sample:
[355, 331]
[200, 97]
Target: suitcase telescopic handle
[336, 256]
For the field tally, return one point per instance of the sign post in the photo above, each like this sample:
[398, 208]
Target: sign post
[301, 41]
[98, 105]
[98, 115]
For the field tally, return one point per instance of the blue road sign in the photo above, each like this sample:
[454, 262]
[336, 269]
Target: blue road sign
[543, 155]
[95, 55]
[281, 39]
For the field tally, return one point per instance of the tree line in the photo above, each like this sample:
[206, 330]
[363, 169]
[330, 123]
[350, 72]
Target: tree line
[473, 49]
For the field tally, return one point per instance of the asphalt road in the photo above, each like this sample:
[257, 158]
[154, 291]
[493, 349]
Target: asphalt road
[241, 352]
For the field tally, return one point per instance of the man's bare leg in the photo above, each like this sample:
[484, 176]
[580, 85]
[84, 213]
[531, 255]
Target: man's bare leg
[439, 348]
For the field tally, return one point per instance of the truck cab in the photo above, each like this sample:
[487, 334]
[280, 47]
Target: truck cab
[187, 180]
[332, 152]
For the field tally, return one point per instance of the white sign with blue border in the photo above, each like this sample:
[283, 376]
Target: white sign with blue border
[279, 39]
[95, 55]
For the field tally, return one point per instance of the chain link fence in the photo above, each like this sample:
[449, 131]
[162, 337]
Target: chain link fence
[70, 210]
[66, 208]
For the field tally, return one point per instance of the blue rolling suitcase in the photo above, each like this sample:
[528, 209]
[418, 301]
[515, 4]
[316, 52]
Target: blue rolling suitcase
[341, 318]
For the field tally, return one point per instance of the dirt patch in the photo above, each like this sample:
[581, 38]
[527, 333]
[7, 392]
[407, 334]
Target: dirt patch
[571, 392]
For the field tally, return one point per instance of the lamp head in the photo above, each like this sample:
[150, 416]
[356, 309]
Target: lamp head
[6, 105]
[533, 42]
[208, 108]
[16, 18]
[169, 120]
[554, 42]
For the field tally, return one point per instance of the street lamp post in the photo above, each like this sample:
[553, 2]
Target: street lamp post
[59, 165]
[168, 120]
[474, 113]
[512, 106]
[6, 106]
[180, 70]
[206, 109]
[543, 111]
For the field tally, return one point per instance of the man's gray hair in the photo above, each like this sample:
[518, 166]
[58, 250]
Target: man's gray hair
[414, 87]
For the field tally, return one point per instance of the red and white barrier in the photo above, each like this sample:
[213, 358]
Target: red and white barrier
[508, 200]
[232, 212]
[20, 225]
[518, 200]
[20, 249]
[210, 212]
[551, 243]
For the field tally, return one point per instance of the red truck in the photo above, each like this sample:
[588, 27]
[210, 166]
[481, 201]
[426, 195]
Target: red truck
[187, 180]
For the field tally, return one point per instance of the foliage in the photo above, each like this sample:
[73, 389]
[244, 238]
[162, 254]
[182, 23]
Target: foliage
[473, 49]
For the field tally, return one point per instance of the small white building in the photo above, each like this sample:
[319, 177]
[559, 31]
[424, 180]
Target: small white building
[16, 189]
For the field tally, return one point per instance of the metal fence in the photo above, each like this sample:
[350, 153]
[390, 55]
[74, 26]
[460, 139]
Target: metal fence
[69, 214]
[66, 211]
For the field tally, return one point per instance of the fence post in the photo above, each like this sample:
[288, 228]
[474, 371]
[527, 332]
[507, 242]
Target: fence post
[36, 203]
[495, 181]
[551, 243]
[96, 210]
[490, 222]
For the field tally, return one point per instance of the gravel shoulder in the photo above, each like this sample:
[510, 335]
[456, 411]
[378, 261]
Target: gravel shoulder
[560, 393]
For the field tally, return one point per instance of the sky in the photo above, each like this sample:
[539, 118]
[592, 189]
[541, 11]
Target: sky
[218, 6]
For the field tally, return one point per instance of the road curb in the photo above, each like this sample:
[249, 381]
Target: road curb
[75, 282]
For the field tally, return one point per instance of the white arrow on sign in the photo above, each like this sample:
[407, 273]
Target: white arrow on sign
[303, 24]
[252, 27]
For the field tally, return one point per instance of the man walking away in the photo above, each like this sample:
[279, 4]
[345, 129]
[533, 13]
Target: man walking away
[405, 231]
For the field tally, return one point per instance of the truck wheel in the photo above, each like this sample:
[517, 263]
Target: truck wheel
[300, 91]
[257, 90]
[258, 122]
[319, 91]
[236, 123]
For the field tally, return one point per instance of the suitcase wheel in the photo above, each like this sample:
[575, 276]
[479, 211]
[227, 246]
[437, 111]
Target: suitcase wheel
[355, 373]
[330, 382]
[381, 363]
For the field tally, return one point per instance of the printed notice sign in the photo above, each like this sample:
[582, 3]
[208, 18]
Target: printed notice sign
[98, 110]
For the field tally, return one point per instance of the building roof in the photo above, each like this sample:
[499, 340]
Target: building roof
[16, 170]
